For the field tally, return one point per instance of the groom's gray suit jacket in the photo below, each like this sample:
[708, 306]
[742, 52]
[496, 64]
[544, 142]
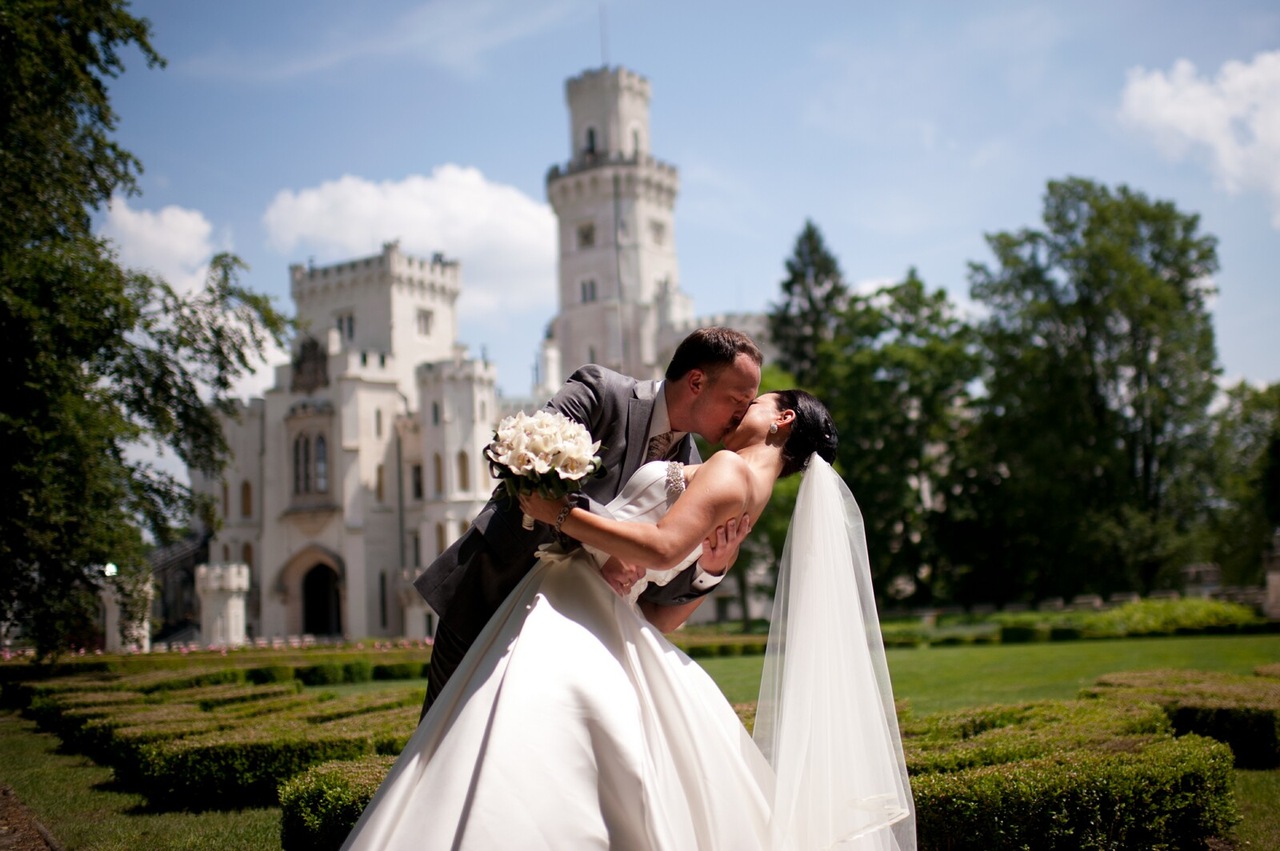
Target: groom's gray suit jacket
[468, 582]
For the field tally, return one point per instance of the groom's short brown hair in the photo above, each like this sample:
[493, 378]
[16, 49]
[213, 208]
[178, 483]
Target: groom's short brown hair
[711, 350]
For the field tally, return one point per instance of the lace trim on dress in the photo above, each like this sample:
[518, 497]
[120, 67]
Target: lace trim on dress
[675, 477]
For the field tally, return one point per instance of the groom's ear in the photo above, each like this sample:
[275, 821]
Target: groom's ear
[696, 381]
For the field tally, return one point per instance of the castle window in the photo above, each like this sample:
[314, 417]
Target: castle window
[417, 481]
[435, 413]
[246, 554]
[586, 235]
[347, 325]
[588, 291]
[442, 538]
[322, 464]
[226, 500]
[464, 471]
[426, 319]
[377, 487]
[382, 599]
[226, 554]
[438, 463]
[591, 141]
[302, 464]
[246, 499]
[377, 423]
[416, 549]
[658, 231]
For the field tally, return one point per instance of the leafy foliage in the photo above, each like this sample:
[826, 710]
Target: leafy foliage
[1088, 465]
[813, 294]
[98, 359]
[896, 377]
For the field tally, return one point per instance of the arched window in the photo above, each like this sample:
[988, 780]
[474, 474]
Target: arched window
[246, 499]
[322, 464]
[464, 471]
[377, 423]
[591, 140]
[302, 464]
[378, 485]
[226, 501]
[435, 413]
[226, 553]
[246, 554]
[439, 471]
[442, 538]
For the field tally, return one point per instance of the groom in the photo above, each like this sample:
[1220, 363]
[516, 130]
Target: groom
[712, 378]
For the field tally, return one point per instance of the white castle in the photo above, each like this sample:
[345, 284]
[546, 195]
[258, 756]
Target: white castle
[365, 459]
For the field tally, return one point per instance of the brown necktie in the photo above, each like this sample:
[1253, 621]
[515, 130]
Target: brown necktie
[659, 445]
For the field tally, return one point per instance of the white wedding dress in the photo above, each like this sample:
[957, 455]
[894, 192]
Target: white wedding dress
[573, 723]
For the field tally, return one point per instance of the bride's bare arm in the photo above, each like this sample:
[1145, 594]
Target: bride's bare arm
[717, 493]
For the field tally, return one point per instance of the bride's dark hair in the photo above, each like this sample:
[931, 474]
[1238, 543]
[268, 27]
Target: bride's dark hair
[811, 431]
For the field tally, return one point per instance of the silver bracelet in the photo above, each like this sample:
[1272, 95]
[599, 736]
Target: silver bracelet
[563, 516]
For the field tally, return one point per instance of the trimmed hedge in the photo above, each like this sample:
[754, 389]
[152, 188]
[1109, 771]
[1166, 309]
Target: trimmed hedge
[240, 767]
[1173, 794]
[320, 806]
[1049, 776]
[1242, 711]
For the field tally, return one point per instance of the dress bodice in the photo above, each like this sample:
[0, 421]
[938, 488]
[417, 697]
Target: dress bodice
[645, 498]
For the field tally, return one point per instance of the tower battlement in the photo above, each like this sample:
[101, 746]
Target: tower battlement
[438, 274]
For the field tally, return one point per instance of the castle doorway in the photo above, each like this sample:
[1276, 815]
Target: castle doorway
[321, 604]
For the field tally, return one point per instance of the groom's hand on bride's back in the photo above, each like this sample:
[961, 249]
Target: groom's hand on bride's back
[720, 548]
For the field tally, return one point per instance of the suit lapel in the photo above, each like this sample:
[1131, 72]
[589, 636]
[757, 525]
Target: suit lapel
[639, 412]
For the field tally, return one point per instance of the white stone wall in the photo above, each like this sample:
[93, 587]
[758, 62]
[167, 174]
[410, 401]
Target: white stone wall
[354, 538]
[618, 270]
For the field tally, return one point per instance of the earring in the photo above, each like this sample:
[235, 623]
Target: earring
[773, 428]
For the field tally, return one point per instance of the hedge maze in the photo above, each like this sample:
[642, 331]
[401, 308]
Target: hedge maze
[1140, 759]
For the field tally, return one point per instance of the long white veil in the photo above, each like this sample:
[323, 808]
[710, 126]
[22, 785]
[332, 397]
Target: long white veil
[825, 718]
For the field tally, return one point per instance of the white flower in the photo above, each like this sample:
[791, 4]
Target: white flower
[526, 449]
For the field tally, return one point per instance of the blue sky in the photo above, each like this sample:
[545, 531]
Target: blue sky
[285, 131]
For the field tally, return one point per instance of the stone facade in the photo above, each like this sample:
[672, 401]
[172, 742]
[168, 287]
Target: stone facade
[363, 461]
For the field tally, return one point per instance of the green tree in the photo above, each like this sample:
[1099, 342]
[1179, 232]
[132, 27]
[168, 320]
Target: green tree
[98, 360]
[1246, 456]
[895, 376]
[1092, 444]
[813, 293]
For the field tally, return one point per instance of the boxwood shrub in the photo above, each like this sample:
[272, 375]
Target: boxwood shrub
[1242, 711]
[1172, 794]
[319, 807]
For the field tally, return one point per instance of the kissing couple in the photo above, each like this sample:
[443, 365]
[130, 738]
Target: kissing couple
[559, 716]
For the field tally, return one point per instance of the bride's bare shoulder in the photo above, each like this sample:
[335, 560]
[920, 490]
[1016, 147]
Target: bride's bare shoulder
[722, 464]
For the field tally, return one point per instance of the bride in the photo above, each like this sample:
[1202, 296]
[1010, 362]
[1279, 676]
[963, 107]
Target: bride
[573, 722]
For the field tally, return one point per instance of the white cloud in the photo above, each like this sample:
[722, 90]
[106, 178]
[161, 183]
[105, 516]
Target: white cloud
[505, 241]
[174, 243]
[1233, 118]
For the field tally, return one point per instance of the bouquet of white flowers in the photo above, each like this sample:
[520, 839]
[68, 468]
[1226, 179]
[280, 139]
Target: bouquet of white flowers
[547, 453]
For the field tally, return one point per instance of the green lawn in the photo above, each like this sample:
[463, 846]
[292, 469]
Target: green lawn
[937, 678]
[74, 798]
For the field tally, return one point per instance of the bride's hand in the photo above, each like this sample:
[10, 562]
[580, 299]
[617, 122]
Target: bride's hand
[541, 508]
[620, 575]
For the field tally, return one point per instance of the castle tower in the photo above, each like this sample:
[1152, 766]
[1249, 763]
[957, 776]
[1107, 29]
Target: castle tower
[618, 273]
[391, 311]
